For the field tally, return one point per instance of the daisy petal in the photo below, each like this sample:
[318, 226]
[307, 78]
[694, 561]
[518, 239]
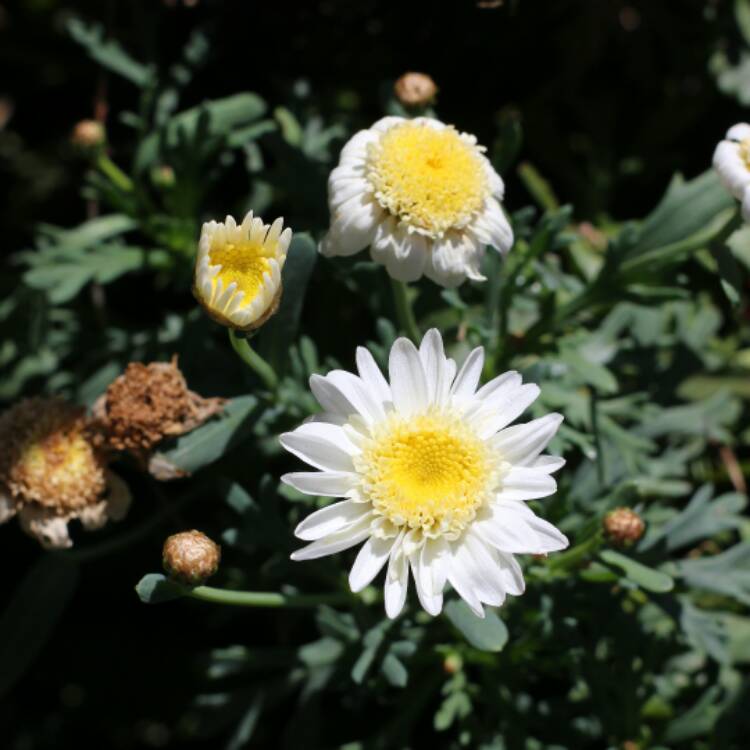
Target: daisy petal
[321, 483]
[408, 382]
[338, 542]
[329, 520]
[369, 562]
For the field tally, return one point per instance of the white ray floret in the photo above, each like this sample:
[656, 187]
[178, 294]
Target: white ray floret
[238, 269]
[422, 195]
[434, 479]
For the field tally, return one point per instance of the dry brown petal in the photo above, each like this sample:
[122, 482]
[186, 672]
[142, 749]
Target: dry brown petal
[147, 403]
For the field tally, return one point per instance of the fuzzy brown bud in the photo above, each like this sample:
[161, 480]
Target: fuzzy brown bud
[415, 89]
[623, 526]
[88, 134]
[190, 557]
[453, 663]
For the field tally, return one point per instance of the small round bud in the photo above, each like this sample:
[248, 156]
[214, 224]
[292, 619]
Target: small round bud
[190, 557]
[88, 134]
[453, 663]
[163, 176]
[415, 89]
[623, 526]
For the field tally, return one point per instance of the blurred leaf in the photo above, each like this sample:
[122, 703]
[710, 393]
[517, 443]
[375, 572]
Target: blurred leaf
[643, 576]
[32, 614]
[705, 631]
[487, 634]
[212, 440]
[156, 588]
[109, 53]
[394, 671]
[727, 573]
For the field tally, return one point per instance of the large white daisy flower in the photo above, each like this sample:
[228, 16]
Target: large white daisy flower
[434, 479]
[238, 270]
[424, 198]
[732, 163]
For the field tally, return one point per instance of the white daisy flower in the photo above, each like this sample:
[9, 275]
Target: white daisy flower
[732, 163]
[238, 270]
[434, 479]
[424, 198]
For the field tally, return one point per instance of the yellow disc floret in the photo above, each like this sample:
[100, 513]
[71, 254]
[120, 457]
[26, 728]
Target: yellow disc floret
[432, 180]
[428, 472]
[745, 152]
[243, 263]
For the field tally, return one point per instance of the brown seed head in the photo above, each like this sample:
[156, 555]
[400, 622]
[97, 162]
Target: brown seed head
[146, 404]
[190, 557]
[415, 89]
[46, 458]
[88, 134]
[623, 526]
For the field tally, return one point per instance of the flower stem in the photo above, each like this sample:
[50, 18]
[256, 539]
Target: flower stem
[265, 598]
[116, 176]
[576, 555]
[253, 360]
[404, 312]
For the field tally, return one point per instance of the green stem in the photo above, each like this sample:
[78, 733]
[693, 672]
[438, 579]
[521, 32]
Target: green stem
[115, 174]
[579, 553]
[404, 313]
[265, 598]
[253, 360]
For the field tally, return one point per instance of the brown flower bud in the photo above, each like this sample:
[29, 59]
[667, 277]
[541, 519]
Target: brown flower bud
[190, 557]
[623, 526]
[453, 663]
[88, 134]
[415, 89]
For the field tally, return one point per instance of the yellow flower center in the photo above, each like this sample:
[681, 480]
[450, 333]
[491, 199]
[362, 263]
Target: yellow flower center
[432, 180]
[745, 152]
[428, 472]
[244, 264]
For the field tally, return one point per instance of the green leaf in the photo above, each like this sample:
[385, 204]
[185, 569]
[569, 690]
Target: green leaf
[32, 614]
[394, 671]
[281, 331]
[156, 588]
[212, 440]
[727, 574]
[742, 15]
[643, 576]
[705, 631]
[225, 116]
[109, 53]
[487, 634]
[322, 652]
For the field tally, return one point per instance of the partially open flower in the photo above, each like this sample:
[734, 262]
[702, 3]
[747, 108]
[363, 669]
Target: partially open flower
[238, 270]
[623, 526]
[415, 89]
[146, 404]
[51, 474]
[88, 134]
[190, 557]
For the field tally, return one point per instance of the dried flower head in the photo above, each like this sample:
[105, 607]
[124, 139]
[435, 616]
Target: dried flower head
[623, 526]
[146, 404]
[415, 89]
[88, 134]
[190, 557]
[51, 474]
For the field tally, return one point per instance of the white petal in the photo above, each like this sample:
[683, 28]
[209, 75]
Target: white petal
[331, 519]
[408, 382]
[551, 538]
[343, 393]
[372, 376]
[396, 580]
[430, 598]
[487, 571]
[497, 387]
[461, 577]
[512, 573]
[468, 376]
[338, 542]
[547, 464]
[746, 205]
[406, 262]
[731, 168]
[370, 560]
[522, 483]
[435, 366]
[321, 483]
[322, 445]
[504, 410]
[739, 132]
[508, 532]
[353, 227]
[522, 443]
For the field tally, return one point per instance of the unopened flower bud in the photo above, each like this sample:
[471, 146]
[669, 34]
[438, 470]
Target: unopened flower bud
[453, 663]
[163, 176]
[623, 526]
[88, 134]
[415, 89]
[190, 557]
